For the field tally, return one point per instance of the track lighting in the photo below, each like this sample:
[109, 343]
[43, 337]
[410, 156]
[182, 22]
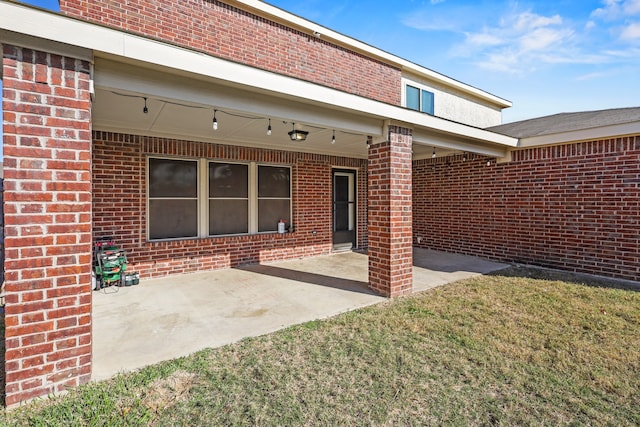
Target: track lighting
[269, 128]
[333, 138]
[145, 109]
[215, 120]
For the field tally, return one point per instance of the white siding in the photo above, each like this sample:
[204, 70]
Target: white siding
[456, 105]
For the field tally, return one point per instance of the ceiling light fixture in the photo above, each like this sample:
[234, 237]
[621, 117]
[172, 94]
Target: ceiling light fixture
[297, 134]
[333, 138]
[215, 121]
[145, 109]
[269, 128]
[433, 156]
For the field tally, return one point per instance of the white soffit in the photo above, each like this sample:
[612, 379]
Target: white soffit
[127, 47]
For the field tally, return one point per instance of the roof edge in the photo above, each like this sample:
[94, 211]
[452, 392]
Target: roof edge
[357, 45]
[587, 134]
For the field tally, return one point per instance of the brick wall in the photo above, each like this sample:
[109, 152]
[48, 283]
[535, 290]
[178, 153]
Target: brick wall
[390, 249]
[574, 207]
[119, 205]
[227, 32]
[47, 208]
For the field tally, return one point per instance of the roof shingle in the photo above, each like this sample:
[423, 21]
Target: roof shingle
[567, 122]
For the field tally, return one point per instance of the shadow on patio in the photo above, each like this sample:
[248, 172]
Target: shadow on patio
[175, 316]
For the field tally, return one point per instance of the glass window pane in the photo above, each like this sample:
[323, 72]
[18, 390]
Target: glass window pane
[173, 178]
[341, 216]
[270, 212]
[228, 180]
[173, 218]
[341, 188]
[274, 181]
[228, 216]
[427, 102]
[413, 98]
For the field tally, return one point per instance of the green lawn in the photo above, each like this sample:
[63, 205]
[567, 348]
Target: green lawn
[522, 347]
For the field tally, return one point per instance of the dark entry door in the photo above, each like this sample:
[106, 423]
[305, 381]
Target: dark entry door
[344, 209]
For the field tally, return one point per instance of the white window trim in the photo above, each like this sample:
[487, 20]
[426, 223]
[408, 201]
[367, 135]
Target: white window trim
[406, 82]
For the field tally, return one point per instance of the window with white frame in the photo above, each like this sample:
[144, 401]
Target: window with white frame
[419, 99]
[202, 198]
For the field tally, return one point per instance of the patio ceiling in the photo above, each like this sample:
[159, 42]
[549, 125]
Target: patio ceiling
[181, 105]
[122, 111]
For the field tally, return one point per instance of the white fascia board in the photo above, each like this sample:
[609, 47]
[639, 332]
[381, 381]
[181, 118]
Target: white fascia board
[326, 33]
[602, 132]
[427, 140]
[50, 46]
[51, 26]
[421, 122]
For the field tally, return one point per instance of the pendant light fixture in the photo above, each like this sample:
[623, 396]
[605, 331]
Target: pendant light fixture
[297, 134]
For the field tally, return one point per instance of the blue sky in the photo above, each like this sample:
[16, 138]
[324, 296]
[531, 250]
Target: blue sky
[544, 56]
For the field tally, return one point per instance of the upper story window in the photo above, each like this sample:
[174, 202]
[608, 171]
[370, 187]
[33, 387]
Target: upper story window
[418, 98]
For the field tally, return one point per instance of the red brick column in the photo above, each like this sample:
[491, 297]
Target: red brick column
[47, 169]
[390, 222]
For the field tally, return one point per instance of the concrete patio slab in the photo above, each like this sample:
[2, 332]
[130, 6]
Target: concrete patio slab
[161, 319]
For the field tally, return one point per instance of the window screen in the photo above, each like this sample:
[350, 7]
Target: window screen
[274, 197]
[228, 198]
[173, 198]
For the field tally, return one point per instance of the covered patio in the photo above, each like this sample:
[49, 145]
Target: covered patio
[191, 161]
[172, 317]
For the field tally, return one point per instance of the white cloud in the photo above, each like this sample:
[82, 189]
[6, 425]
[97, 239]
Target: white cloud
[631, 32]
[529, 21]
[617, 9]
[484, 39]
[632, 7]
[591, 76]
[419, 22]
[520, 42]
[542, 39]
